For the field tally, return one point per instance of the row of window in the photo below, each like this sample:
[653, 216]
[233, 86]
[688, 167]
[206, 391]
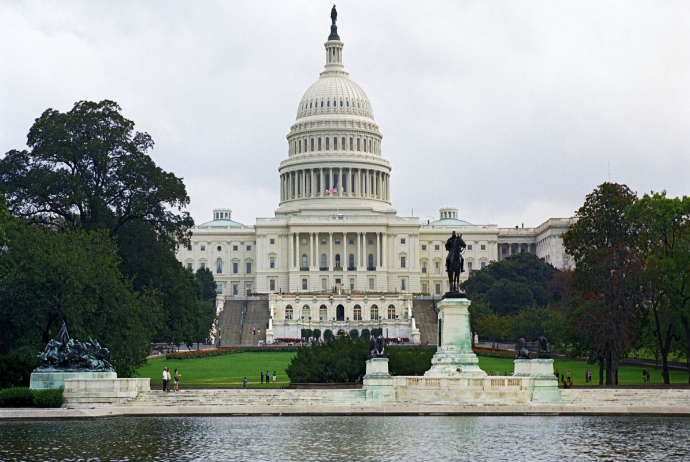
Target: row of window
[356, 104]
[438, 247]
[356, 312]
[369, 145]
[338, 283]
[235, 248]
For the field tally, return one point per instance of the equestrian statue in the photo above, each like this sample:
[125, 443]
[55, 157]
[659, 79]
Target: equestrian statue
[455, 264]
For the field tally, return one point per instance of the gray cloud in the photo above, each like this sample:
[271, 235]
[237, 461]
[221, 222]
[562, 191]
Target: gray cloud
[518, 106]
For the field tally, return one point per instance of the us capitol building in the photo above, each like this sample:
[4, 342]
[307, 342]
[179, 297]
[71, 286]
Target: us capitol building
[336, 255]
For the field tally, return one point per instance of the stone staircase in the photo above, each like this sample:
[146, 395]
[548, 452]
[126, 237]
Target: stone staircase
[230, 323]
[256, 316]
[597, 397]
[249, 397]
[426, 320]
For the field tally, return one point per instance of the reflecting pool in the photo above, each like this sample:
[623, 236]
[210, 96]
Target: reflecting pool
[427, 438]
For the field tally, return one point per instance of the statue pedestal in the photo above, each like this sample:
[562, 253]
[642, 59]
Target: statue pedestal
[544, 383]
[55, 380]
[377, 382]
[454, 356]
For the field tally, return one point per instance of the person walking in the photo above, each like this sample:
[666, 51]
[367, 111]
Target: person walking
[274, 376]
[268, 377]
[244, 382]
[649, 376]
[165, 379]
[177, 376]
[261, 374]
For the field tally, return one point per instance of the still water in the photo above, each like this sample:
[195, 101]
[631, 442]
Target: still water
[430, 438]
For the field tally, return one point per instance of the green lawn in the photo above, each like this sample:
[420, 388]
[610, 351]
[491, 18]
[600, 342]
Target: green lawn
[627, 375]
[229, 370]
[222, 371]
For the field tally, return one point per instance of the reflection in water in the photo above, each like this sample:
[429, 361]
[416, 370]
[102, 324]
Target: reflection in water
[349, 438]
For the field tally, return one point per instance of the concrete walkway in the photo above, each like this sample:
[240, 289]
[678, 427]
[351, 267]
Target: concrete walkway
[277, 402]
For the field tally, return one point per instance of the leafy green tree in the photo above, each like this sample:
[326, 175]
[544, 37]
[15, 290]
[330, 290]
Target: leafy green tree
[366, 335]
[336, 361]
[208, 284]
[494, 327]
[47, 277]
[317, 334]
[4, 219]
[354, 334]
[328, 335]
[664, 231]
[513, 284]
[608, 275]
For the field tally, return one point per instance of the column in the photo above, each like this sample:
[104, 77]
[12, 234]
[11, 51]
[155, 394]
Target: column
[291, 251]
[330, 242]
[358, 258]
[311, 249]
[385, 247]
[378, 250]
[313, 188]
[322, 189]
[340, 182]
[346, 261]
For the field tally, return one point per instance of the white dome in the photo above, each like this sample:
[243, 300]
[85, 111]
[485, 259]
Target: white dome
[334, 94]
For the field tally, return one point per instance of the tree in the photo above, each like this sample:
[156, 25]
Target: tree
[208, 284]
[513, 284]
[4, 219]
[664, 237]
[607, 276]
[47, 277]
[88, 166]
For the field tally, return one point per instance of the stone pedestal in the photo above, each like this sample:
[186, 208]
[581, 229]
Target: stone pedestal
[55, 380]
[454, 356]
[544, 383]
[378, 383]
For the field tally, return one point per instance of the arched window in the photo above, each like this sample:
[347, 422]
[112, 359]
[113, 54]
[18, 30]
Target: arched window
[328, 103]
[337, 260]
[321, 103]
[288, 312]
[305, 261]
[306, 313]
[310, 105]
[343, 143]
[358, 145]
[351, 261]
[312, 144]
[323, 260]
[347, 103]
[371, 260]
[357, 313]
[323, 313]
[219, 266]
[335, 143]
[374, 312]
[319, 144]
[341, 103]
[391, 311]
[369, 145]
[328, 143]
[350, 143]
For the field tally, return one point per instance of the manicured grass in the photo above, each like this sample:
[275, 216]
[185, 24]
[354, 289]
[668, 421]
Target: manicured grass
[627, 375]
[229, 370]
[222, 371]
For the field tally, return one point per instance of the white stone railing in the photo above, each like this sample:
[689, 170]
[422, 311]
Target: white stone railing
[470, 383]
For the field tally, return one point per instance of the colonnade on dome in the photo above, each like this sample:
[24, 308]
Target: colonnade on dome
[346, 181]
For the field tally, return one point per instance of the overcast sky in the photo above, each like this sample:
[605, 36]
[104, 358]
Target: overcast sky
[509, 111]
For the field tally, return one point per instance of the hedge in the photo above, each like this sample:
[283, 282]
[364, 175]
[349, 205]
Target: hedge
[25, 397]
[229, 351]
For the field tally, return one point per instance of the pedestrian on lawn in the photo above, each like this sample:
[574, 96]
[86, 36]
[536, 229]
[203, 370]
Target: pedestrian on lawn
[274, 376]
[177, 380]
[262, 377]
[268, 377]
[165, 379]
[244, 382]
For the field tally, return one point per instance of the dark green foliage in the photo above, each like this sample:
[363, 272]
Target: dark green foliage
[48, 398]
[354, 334]
[25, 397]
[409, 360]
[327, 335]
[16, 397]
[337, 361]
[375, 332]
[316, 334]
[513, 284]
[366, 335]
[308, 333]
[208, 284]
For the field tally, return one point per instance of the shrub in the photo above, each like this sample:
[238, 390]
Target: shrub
[409, 360]
[16, 397]
[317, 334]
[340, 360]
[327, 335]
[48, 398]
[354, 334]
[308, 333]
[376, 332]
[366, 335]
[230, 351]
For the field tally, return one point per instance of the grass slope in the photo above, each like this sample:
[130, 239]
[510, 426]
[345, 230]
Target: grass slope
[229, 370]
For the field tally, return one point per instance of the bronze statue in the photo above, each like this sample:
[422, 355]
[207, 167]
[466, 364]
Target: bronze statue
[455, 264]
[334, 28]
[334, 14]
[523, 352]
[65, 353]
[544, 350]
[376, 347]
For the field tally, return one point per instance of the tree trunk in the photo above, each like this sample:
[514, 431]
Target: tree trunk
[664, 344]
[609, 366]
[686, 326]
[601, 371]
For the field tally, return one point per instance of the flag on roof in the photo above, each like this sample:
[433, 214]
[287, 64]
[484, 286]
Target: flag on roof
[333, 190]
